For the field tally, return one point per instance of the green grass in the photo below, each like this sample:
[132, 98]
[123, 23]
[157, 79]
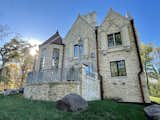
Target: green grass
[155, 99]
[17, 108]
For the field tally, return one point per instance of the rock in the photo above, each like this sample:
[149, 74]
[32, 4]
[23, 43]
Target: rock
[153, 112]
[72, 103]
[21, 90]
[10, 91]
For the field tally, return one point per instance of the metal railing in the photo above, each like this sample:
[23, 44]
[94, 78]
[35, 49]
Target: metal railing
[53, 75]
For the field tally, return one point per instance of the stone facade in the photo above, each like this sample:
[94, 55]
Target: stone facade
[125, 87]
[82, 29]
[96, 58]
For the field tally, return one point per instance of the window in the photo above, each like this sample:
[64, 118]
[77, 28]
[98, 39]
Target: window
[76, 50]
[110, 40]
[89, 71]
[43, 58]
[118, 68]
[55, 57]
[114, 39]
[118, 40]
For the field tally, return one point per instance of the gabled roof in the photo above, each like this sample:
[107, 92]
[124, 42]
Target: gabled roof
[54, 39]
[114, 13]
[89, 19]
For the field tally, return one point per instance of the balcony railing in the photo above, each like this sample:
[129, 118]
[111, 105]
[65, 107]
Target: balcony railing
[53, 75]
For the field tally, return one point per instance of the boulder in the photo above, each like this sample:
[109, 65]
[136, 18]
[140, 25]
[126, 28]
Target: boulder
[10, 91]
[153, 112]
[71, 103]
[21, 90]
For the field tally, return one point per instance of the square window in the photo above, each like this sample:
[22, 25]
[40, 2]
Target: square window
[118, 68]
[114, 39]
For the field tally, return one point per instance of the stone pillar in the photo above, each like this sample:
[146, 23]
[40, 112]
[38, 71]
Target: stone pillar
[145, 87]
[82, 77]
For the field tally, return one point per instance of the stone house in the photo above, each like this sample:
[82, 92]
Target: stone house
[96, 62]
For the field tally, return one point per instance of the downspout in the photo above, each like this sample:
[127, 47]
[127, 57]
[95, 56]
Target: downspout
[62, 60]
[139, 58]
[97, 55]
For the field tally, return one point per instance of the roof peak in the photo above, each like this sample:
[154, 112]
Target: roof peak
[54, 39]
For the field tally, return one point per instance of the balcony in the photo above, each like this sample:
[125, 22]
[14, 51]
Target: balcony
[59, 75]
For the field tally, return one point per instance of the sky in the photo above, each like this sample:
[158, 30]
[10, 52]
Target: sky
[40, 19]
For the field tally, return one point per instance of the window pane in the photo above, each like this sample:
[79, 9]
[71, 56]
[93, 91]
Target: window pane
[114, 71]
[88, 69]
[110, 40]
[55, 57]
[118, 40]
[121, 68]
[76, 50]
[43, 58]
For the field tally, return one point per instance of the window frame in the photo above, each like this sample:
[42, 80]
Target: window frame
[114, 39]
[118, 33]
[117, 68]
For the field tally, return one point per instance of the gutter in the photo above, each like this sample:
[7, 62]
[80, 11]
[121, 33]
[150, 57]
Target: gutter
[97, 55]
[139, 58]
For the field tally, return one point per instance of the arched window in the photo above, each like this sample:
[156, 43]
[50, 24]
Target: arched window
[76, 50]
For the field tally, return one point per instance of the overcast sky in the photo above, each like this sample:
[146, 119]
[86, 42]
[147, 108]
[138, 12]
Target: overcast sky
[39, 19]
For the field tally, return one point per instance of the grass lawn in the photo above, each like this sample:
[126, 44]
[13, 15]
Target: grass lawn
[17, 108]
[155, 99]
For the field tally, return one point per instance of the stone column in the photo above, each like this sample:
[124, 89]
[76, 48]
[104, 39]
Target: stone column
[82, 77]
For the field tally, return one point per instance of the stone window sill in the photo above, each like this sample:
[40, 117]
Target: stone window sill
[118, 48]
[119, 78]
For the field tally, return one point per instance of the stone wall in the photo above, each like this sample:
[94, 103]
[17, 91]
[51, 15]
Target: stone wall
[51, 91]
[88, 87]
